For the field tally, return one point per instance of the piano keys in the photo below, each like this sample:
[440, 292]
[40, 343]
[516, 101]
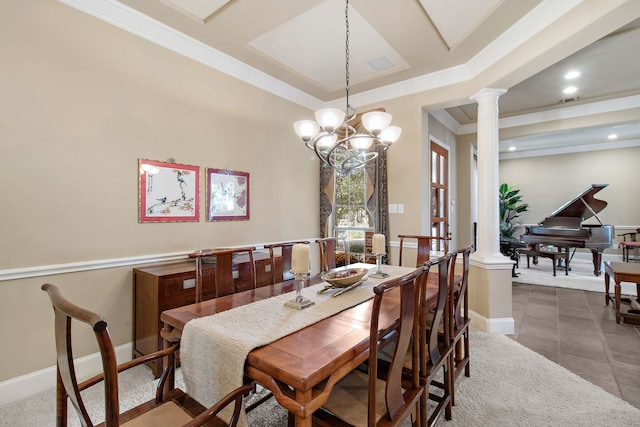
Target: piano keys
[565, 229]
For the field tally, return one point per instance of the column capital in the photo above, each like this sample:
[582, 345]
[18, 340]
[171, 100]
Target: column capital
[487, 94]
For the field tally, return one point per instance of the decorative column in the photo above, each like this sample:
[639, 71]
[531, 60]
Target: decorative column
[490, 297]
[488, 248]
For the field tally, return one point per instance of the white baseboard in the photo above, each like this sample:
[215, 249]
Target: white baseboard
[45, 379]
[503, 325]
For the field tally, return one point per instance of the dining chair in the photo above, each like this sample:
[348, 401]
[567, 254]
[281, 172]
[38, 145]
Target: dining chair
[424, 247]
[281, 271]
[374, 398]
[235, 270]
[169, 407]
[629, 243]
[459, 318]
[435, 343]
[327, 248]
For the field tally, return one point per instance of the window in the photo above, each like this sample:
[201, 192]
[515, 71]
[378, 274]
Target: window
[352, 219]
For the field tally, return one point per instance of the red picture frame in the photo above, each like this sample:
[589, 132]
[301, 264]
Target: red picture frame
[168, 192]
[227, 195]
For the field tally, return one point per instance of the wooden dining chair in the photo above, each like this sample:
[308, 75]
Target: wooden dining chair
[235, 270]
[435, 342]
[424, 247]
[169, 407]
[327, 248]
[281, 271]
[459, 319]
[376, 398]
[629, 243]
[434, 308]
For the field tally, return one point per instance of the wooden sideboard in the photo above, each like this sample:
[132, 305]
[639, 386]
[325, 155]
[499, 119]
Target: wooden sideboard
[162, 287]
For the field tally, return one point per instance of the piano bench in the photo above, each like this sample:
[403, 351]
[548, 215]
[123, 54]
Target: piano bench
[555, 256]
[626, 247]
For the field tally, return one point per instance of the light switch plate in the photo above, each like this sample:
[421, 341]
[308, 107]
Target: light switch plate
[400, 207]
[393, 208]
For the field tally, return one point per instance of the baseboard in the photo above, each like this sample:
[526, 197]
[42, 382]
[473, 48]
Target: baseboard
[503, 325]
[45, 379]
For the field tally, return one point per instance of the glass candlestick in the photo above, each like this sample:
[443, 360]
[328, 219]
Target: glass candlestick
[379, 274]
[299, 302]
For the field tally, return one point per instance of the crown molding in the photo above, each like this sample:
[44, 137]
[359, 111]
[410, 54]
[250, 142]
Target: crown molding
[598, 107]
[629, 143]
[129, 19]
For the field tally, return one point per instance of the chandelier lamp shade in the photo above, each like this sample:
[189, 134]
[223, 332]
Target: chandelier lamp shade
[345, 140]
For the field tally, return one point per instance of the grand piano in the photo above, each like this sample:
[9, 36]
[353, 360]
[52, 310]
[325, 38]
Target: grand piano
[564, 228]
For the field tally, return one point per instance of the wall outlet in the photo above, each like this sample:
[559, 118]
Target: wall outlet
[400, 208]
[393, 208]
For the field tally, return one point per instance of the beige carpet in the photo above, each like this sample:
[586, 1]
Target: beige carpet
[580, 276]
[510, 385]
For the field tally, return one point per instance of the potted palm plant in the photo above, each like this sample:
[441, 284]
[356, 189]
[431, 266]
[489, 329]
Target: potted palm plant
[511, 206]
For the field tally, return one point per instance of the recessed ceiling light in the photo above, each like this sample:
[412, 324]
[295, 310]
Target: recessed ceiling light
[570, 89]
[572, 75]
[613, 136]
[512, 148]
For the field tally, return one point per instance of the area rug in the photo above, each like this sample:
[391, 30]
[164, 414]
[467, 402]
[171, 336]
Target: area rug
[580, 276]
[510, 385]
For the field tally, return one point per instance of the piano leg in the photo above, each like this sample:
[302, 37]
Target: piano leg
[597, 261]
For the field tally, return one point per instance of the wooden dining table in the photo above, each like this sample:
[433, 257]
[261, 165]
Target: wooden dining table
[301, 368]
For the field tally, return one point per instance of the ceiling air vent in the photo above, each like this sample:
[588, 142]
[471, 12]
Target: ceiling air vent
[575, 98]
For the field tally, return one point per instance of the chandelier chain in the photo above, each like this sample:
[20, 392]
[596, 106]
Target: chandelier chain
[347, 75]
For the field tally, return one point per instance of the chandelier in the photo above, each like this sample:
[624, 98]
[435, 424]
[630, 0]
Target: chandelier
[336, 136]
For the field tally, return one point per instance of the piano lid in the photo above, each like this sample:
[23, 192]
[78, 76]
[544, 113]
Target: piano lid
[583, 206]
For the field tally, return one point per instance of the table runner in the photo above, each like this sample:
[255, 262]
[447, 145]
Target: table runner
[214, 349]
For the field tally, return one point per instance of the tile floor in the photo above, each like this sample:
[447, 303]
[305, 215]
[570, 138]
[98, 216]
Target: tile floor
[577, 330]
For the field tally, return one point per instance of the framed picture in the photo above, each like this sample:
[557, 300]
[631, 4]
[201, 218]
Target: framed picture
[227, 195]
[168, 192]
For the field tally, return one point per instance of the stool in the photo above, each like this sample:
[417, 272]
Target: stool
[626, 247]
[554, 256]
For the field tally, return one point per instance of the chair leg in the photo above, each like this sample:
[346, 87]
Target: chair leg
[423, 406]
[448, 390]
[467, 369]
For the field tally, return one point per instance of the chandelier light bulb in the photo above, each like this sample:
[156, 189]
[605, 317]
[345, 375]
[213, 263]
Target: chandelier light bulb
[306, 129]
[390, 134]
[326, 141]
[362, 142]
[330, 118]
[376, 121]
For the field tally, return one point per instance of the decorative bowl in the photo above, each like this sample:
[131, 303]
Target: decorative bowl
[344, 276]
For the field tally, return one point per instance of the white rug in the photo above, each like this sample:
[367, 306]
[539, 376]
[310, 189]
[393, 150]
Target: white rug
[580, 275]
[510, 385]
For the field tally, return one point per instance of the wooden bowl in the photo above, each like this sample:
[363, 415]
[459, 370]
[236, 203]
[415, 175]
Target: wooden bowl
[344, 276]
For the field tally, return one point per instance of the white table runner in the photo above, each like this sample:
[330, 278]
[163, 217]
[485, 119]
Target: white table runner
[214, 349]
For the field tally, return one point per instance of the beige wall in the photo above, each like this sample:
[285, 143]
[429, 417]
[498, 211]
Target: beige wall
[82, 101]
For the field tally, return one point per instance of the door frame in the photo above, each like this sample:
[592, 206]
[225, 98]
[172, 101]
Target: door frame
[447, 203]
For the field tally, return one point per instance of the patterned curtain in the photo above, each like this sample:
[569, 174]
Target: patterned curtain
[326, 198]
[377, 198]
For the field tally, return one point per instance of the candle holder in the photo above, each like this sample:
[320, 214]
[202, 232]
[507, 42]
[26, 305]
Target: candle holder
[379, 274]
[299, 302]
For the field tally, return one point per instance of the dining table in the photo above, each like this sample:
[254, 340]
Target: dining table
[299, 361]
